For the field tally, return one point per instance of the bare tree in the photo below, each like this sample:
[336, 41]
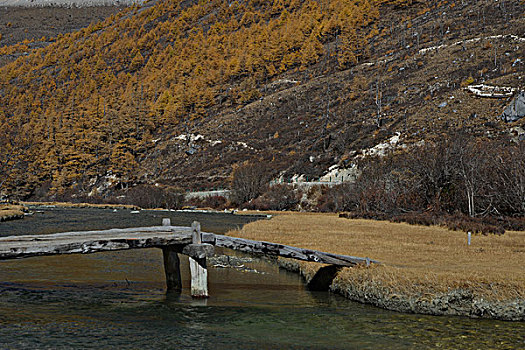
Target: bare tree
[248, 181]
[468, 169]
[509, 184]
[378, 101]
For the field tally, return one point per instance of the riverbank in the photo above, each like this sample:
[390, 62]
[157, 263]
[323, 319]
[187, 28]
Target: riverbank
[263, 215]
[11, 212]
[80, 205]
[427, 270]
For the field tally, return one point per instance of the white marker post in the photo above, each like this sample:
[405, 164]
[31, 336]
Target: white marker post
[469, 235]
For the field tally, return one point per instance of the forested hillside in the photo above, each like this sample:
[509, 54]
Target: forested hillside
[176, 92]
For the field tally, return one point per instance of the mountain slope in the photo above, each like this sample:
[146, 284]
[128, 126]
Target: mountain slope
[296, 85]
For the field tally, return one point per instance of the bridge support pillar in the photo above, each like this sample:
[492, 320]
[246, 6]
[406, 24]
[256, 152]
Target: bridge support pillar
[198, 253]
[199, 278]
[172, 264]
[172, 268]
[323, 278]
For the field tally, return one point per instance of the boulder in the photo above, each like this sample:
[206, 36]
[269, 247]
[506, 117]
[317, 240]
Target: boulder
[516, 109]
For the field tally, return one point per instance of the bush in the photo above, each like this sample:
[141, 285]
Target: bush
[458, 222]
[214, 202]
[468, 81]
[508, 223]
[457, 174]
[337, 198]
[278, 197]
[248, 181]
[147, 196]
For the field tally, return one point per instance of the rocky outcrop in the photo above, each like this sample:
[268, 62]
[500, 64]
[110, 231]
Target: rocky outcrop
[516, 109]
[489, 91]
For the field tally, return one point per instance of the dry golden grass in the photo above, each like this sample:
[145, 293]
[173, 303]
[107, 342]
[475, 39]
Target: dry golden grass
[82, 205]
[12, 207]
[265, 212]
[10, 211]
[416, 259]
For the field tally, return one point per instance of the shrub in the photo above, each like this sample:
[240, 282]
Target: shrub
[458, 222]
[337, 198]
[467, 81]
[506, 222]
[248, 181]
[278, 197]
[214, 202]
[147, 196]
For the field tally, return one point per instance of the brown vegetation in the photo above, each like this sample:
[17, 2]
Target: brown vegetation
[143, 196]
[268, 79]
[82, 205]
[277, 197]
[462, 182]
[416, 260]
[248, 181]
[11, 211]
[208, 202]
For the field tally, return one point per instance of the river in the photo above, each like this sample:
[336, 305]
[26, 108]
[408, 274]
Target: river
[118, 300]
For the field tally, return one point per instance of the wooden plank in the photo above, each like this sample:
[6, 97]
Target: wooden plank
[14, 247]
[85, 242]
[268, 248]
[167, 230]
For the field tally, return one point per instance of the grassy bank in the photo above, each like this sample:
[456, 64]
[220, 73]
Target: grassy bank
[425, 269]
[11, 212]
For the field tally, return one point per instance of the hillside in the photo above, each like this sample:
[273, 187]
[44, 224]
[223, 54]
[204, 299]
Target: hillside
[176, 92]
[32, 24]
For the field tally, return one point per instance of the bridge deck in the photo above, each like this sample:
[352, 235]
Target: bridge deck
[14, 247]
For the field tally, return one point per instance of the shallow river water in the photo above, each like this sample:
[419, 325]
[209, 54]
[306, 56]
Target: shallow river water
[118, 300]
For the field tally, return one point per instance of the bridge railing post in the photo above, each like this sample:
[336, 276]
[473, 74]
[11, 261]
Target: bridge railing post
[196, 237]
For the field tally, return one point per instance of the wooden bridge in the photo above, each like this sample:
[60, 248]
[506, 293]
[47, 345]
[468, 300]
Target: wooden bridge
[173, 240]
